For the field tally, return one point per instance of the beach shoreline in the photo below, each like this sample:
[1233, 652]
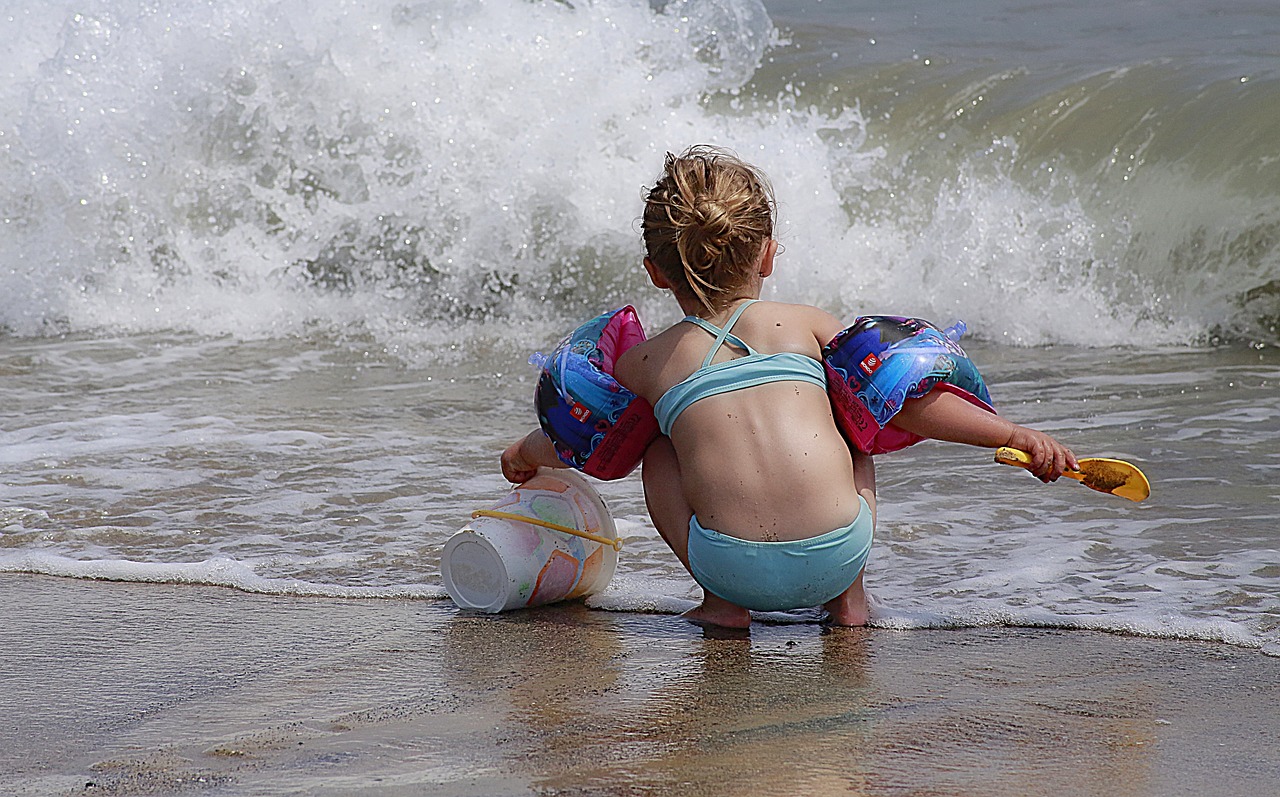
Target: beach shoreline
[119, 688]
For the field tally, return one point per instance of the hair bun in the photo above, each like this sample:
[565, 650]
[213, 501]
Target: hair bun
[706, 222]
[714, 215]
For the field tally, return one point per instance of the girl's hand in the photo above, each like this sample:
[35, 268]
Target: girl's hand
[521, 460]
[515, 467]
[1049, 458]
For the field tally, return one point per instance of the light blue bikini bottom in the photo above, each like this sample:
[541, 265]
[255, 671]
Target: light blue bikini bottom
[774, 576]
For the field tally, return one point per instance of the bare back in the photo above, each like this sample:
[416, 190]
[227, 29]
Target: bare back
[763, 462]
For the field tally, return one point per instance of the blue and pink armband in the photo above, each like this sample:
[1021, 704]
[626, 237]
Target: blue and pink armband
[873, 367]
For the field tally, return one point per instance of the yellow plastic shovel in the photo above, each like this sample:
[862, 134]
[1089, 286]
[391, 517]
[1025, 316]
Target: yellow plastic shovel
[1113, 476]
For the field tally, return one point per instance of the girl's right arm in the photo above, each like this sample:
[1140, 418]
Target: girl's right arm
[521, 460]
[945, 416]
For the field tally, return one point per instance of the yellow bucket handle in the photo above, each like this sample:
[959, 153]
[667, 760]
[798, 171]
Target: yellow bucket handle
[615, 543]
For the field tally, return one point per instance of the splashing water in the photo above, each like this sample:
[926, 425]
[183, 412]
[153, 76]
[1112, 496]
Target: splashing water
[266, 169]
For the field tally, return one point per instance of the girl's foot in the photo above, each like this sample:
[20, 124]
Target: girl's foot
[718, 611]
[849, 607]
[851, 616]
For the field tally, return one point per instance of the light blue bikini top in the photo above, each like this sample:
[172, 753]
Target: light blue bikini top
[743, 372]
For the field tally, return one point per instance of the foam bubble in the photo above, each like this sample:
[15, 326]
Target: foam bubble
[216, 572]
[1154, 625]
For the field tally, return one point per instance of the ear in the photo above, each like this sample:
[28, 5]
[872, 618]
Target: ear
[766, 258]
[656, 276]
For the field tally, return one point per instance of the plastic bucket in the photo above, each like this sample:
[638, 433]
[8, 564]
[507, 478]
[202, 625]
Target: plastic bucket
[498, 563]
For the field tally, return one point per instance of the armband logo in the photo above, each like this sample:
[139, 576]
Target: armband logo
[869, 364]
[579, 412]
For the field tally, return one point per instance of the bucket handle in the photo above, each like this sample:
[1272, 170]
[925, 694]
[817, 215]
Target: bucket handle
[613, 543]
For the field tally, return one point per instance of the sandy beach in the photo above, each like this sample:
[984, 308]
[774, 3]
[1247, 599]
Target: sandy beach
[113, 688]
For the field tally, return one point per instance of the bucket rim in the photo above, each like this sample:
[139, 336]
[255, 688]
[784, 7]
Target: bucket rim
[574, 479]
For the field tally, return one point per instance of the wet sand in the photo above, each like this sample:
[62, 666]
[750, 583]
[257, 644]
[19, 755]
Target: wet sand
[110, 688]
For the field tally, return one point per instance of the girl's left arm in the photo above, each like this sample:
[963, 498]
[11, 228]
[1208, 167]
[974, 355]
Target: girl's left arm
[825, 326]
[945, 416]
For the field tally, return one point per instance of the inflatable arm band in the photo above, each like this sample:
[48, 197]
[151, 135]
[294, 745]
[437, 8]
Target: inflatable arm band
[603, 429]
[874, 366]
[595, 424]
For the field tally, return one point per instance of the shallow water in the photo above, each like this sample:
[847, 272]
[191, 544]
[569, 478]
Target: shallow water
[309, 466]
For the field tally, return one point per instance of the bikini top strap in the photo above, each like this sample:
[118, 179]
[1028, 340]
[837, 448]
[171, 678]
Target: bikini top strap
[723, 335]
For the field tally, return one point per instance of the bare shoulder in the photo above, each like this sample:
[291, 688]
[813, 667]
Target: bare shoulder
[636, 369]
[822, 324]
[627, 369]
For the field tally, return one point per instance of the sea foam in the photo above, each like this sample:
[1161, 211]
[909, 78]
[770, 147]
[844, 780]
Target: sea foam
[268, 169]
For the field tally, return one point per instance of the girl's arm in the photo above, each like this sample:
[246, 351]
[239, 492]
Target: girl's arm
[945, 416]
[825, 325]
[521, 460]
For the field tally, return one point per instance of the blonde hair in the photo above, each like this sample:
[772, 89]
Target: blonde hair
[706, 223]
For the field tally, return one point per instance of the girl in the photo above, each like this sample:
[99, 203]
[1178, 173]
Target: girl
[751, 483]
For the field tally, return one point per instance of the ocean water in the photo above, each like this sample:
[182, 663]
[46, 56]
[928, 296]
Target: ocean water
[270, 273]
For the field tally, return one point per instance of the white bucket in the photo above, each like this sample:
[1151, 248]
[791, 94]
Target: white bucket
[498, 563]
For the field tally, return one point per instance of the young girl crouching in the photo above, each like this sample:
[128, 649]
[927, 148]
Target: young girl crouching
[751, 483]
